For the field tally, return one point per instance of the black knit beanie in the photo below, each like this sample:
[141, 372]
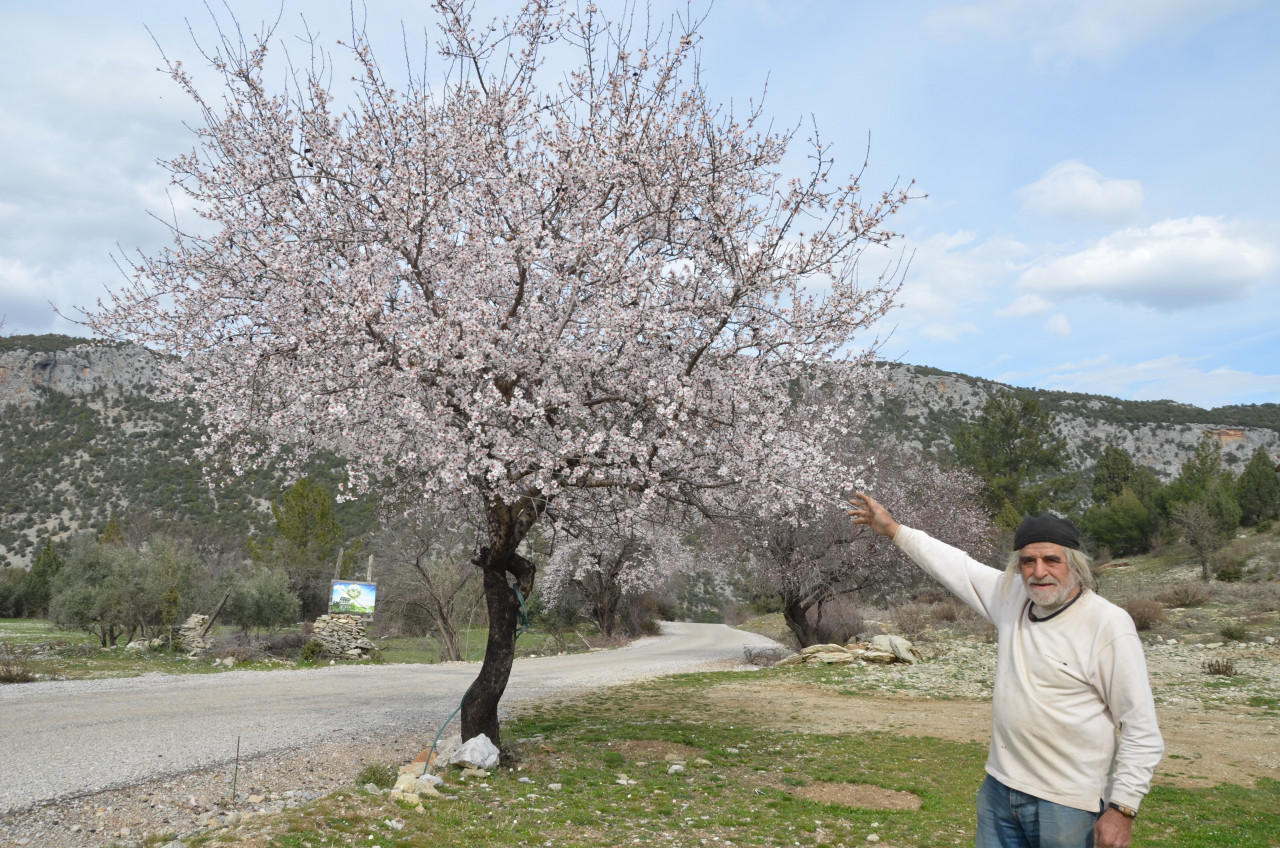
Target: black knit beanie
[1046, 528]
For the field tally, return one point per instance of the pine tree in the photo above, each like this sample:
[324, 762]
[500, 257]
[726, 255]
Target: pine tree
[36, 586]
[1258, 490]
[1114, 469]
[1013, 447]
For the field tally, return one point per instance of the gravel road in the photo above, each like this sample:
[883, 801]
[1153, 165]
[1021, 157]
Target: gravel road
[72, 739]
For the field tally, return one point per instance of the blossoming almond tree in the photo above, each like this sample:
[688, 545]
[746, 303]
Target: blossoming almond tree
[622, 558]
[811, 563]
[546, 292]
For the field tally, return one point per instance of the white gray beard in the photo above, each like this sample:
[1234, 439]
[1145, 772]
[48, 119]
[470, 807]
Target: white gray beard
[1050, 598]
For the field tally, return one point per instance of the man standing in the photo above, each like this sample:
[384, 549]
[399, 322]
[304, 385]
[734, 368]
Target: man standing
[1074, 739]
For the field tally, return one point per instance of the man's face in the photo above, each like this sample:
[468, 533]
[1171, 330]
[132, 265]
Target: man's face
[1050, 581]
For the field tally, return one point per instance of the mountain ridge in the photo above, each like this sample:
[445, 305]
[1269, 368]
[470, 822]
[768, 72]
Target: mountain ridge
[85, 439]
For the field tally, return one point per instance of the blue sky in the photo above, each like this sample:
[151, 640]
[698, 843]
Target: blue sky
[1102, 177]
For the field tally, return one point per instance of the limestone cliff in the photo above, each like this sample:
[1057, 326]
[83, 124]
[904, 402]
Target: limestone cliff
[80, 370]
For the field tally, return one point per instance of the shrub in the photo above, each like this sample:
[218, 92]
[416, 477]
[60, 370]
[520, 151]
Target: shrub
[841, 621]
[264, 601]
[762, 657]
[1234, 633]
[1145, 612]
[948, 610]
[932, 595]
[911, 619]
[12, 668]
[1185, 594]
[1230, 572]
[380, 775]
[638, 616]
[284, 643]
[313, 651]
[1223, 667]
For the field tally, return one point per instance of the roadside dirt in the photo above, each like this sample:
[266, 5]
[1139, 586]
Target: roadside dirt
[1202, 749]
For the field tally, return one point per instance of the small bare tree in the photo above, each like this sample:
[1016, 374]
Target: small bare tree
[427, 564]
[1201, 531]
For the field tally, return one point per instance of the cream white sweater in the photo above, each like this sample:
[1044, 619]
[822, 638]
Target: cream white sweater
[1066, 688]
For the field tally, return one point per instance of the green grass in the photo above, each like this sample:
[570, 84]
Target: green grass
[35, 631]
[747, 791]
[68, 654]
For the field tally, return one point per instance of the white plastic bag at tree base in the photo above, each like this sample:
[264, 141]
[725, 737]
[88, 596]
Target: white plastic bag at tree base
[476, 752]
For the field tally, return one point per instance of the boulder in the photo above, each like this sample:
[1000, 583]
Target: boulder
[832, 657]
[896, 645]
[477, 752]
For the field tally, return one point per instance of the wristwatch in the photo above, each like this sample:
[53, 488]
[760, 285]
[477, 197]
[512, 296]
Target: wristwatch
[1127, 812]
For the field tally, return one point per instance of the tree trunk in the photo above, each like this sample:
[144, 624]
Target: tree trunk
[447, 634]
[480, 706]
[796, 615]
[602, 591]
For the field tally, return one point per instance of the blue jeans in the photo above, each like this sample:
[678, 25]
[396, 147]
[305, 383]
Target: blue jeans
[1008, 818]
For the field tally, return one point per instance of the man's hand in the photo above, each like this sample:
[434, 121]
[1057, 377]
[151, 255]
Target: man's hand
[867, 510]
[1112, 830]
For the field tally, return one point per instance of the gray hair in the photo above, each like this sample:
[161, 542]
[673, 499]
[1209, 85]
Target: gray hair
[1080, 563]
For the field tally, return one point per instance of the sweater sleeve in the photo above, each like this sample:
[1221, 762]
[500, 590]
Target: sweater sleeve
[980, 586]
[1126, 689]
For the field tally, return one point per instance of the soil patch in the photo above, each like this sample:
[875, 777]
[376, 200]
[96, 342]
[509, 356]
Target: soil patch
[1201, 749]
[859, 795]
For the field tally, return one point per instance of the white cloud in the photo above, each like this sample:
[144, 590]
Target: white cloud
[950, 274]
[1066, 30]
[1027, 304]
[1074, 191]
[1168, 377]
[949, 332]
[1058, 325]
[1174, 264]
[78, 171]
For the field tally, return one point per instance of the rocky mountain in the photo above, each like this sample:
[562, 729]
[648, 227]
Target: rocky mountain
[923, 407]
[32, 366]
[83, 438]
